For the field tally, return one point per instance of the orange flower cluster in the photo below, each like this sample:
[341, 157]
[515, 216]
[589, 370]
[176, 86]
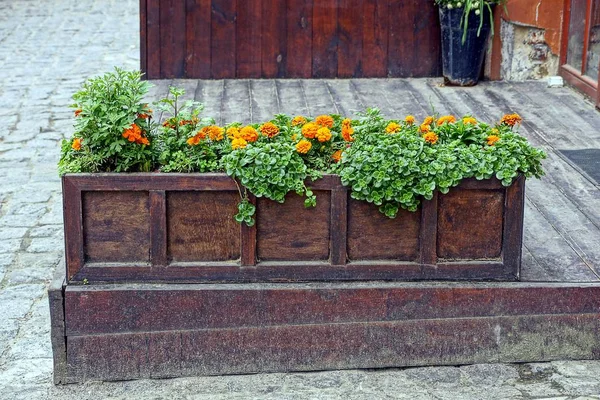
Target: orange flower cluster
[392, 127]
[428, 120]
[249, 134]
[323, 134]
[215, 133]
[309, 130]
[192, 121]
[303, 146]
[298, 120]
[469, 121]
[134, 134]
[492, 139]
[450, 119]
[410, 119]
[76, 144]
[238, 143]
[324, 120]
[337, 156]
[78, 111]
[511, 119]
[269, 129]
[424, 128]
[233, 132]
[430, 137]
[347, 130]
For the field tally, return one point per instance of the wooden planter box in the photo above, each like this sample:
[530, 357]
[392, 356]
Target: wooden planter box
[179, 228]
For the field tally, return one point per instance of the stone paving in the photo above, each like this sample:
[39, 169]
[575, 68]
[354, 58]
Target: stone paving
[46, 50]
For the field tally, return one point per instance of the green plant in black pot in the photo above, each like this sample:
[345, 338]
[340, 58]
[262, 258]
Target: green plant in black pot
[466, 26]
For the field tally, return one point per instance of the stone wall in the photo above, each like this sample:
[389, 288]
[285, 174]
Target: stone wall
[527, 41]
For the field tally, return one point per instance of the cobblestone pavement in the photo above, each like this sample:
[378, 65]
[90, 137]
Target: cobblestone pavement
[46, 50]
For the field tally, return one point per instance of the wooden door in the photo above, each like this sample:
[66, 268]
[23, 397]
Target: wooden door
[580, 55]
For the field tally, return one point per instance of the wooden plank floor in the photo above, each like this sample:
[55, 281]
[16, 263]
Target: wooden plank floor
[562, 215]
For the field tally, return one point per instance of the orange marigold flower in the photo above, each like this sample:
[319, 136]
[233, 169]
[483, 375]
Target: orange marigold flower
[392, 127]
[215, 133]
[323, 134]
[469, 121]
[424, 128]
[310, 130]
[269, 129]
[428, 121]
[511, 119]
[410, 119]
[324, 120]
[194, 140]
[78, 111]
[337, 156]
[492, 139]
[446, 119]
[303, 146]
[76, 144]
[238, 143]
[298, 120]
[134, 134]
[249, 134]
[431, 137]
[347, 130]
[233, 132]
[203, 133]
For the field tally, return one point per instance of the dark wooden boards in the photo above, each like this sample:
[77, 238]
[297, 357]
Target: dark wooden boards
[289, 39]
[180, 227]
[141, 331]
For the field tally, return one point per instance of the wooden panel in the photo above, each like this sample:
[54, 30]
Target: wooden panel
[248, 43]
[292, 232]
[143, 37]
[513, 226]
[172, 38]
[470, 224]
[324, 39]
[116, 226]
[158, 228]
[414, 41]
[375, 25]
[373, 236]
[107, 308]
[223, 39]
[333, 346]
[153, 54]
[57, 324]
[274, 48]
[350, 46]
[73, 226]
[299, 38]
[201, 226]
[198, 39]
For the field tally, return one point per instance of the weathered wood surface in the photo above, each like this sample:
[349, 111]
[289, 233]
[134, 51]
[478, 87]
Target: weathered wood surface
[180, 227]
[289, 39]
[140, 331]
[58, 335]
[562, 214]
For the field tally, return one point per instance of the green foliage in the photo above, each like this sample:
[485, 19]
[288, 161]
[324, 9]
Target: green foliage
[106, 107]
[396, 170]
[267, 168]
[391, 163]
[477, 7]
[182, 123]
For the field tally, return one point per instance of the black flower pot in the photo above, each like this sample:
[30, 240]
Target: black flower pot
[462, 61]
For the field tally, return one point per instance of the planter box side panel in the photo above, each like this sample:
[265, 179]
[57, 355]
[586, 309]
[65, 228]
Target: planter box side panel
[373, 236]
[470, 224]
[292, 232]
[200, 226]
[116, 226]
